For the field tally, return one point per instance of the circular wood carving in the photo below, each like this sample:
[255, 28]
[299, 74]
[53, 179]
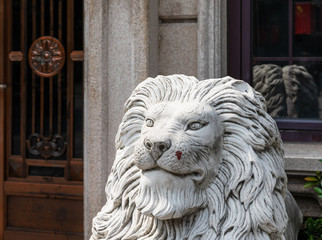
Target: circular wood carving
[46, 56]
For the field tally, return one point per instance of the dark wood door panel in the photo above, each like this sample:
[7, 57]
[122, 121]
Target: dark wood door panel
[45, 87]
[57, 190]
[41, 124]
[41, 213]
[27, 235]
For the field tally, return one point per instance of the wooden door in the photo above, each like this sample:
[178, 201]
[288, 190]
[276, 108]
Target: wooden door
[41, 108]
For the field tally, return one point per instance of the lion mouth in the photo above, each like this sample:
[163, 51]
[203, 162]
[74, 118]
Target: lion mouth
[197, 176]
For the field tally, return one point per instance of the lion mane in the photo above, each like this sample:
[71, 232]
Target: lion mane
[246, 200]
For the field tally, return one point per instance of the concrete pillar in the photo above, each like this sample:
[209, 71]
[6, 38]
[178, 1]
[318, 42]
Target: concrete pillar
[212, 39]
[120, 51]
[95, 107]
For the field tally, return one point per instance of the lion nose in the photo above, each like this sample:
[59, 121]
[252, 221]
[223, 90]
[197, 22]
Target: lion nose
[157, 148]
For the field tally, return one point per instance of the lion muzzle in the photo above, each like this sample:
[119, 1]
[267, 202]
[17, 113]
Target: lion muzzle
[156, 148]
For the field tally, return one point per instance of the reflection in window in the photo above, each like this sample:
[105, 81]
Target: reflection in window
[289, 91]
[307, 35]
[287, 56]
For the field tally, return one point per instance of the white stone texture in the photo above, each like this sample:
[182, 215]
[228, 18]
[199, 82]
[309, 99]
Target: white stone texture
[178, 8]
[197, 160]
[178, 48]
[118, 55]
[212, 39]
[303, 158]
[204, 56]
[95, 110]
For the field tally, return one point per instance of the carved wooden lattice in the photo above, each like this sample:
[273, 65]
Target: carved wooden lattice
[46, 147]
[43, 166]
[46, 56]
[45, 78]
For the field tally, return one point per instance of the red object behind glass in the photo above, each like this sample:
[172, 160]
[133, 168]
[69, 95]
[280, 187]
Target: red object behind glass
[303, 24]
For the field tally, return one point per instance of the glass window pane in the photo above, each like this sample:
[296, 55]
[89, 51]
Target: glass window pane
[270, 28]
[78, 110]
[307, 29]
[291, 90]
[46, 171]
[268, 80]
[16, 109]
[287, 71]
[314, 68]
[301, 90]
[16, 27]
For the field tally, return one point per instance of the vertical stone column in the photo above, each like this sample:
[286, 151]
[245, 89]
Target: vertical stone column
[95, 107]
[120, 51]
[212, 39]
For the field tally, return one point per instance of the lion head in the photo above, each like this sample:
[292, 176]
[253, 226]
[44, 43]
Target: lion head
[195, 160]
[180, 143]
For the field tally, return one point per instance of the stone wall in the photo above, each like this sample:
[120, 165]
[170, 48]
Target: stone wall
[193, 38]
[301, 160]
[178, 37]
[117, 57]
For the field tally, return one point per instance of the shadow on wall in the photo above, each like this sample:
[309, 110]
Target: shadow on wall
[289, 91]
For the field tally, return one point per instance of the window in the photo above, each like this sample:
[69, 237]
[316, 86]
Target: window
[276, 46]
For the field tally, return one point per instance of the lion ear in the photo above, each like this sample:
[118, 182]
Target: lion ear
[243, 87]
[248, 92]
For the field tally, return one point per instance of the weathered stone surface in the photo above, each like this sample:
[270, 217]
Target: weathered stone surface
[118, 55]
[95, 100]
[178, 8]
[303, 157]
[212, 39]
[178, 49]
[197, 160]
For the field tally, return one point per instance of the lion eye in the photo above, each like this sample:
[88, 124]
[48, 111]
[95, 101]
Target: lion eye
[196, 125]
[149, 122]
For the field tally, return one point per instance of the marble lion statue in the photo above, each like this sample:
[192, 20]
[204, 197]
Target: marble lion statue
[197, 160]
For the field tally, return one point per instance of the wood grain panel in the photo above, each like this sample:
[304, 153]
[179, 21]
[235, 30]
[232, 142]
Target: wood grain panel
[25, 235]
[48, 190]
[45, 214]
[41, 196]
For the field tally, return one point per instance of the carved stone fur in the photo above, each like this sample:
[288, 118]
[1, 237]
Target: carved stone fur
[197, 160]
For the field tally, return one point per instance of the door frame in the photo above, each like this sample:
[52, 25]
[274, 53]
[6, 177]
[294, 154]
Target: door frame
[2, 114]
[75, 192]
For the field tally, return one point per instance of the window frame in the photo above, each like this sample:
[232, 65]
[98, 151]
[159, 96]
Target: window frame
[240, 52]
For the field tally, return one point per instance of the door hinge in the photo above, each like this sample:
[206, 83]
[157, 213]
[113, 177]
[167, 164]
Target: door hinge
[3, 86]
